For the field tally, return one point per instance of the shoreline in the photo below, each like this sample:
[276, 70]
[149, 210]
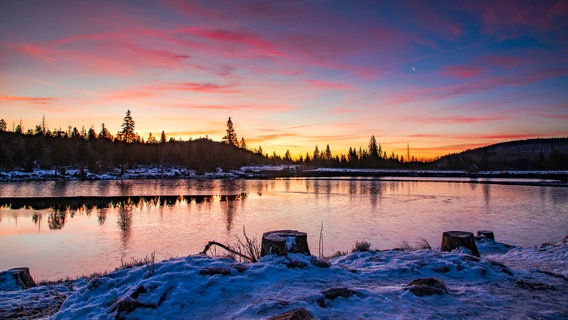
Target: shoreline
[537, 178]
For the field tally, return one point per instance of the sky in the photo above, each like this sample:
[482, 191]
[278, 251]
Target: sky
[437, 76]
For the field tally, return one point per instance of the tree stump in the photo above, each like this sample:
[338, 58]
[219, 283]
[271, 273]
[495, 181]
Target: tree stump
[454, 239]
[20, 277]
[282, 242]
[486, 233]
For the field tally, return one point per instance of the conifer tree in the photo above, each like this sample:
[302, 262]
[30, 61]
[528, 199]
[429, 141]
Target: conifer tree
[163, 137]
[3, 125]
[374, 149]
[327, 154]
[231, 137]
[91, 134]
[316, 155]
[243, 144]
[127, 133]
[151, 139]
[105, 134]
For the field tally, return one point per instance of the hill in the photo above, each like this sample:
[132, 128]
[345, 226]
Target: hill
[531, 154]
[26, 152]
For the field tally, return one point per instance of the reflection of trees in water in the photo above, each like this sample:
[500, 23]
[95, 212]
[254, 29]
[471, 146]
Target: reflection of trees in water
[124, 220]
[37, 220]
[487, 193]
[228, 204]
[101, 216]
[56, 219]
[375, 193]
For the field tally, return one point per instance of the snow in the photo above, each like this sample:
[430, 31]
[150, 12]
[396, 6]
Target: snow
[506, 282]
[159, 172]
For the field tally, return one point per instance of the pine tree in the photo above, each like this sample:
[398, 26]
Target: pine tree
[3, 125]
[374, 149]
[127, 133]
[288, 156]
[316, 155]
[151, 139]
[231, 137]
[327, 154]
[105, 134]
[163, 137]
[91, 134]
[243, 144]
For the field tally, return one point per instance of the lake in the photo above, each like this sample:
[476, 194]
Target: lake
[57, 230]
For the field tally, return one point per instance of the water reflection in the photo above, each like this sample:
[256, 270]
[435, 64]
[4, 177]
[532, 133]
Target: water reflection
[56, 219]
[124, 220]
[62, 208]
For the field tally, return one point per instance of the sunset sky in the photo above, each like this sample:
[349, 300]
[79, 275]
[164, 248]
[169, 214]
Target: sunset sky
[442, 76]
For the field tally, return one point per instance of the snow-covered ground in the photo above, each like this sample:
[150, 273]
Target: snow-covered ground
[505, 283]
[158, 172]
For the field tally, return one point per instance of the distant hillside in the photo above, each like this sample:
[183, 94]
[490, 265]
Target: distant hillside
[25, 152]
[532, 154]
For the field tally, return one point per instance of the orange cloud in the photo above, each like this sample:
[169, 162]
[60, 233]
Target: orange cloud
[35, 100]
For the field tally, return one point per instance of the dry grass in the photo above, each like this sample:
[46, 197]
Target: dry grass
[247, 246]
[361, 246]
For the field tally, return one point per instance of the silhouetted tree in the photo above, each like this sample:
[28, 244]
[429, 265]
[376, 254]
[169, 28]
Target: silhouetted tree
[231, 137]
[374, 152]
[3, 125]
[105, 134]
[151, 139]
[19, 129]
[243, 143]
[327, 153]
[287, 156]
[316, 155]
[127, 133]
[91, 134]
[163, 137]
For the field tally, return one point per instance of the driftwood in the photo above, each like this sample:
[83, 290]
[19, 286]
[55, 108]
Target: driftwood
[454, 239]
[486, 233]
[282, 242]
[215, 243]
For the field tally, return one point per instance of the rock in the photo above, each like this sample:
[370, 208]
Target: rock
[427, 287]
[210, 271]
[333, 293]
[296, 314]
[16, 279]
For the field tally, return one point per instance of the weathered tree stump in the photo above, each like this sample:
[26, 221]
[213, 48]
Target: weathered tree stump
[486, 233]
[454, 239]
[21, 277]
[282, 242]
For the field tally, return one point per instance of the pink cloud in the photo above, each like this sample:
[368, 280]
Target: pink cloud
[462, 71]
[239, 38]
[456, 119]
[328, 84]
[515, 79]
[35, 100]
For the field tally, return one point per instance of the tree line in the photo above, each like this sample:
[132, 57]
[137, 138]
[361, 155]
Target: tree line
[103, 151]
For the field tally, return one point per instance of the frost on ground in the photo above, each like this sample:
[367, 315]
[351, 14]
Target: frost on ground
[506, 282]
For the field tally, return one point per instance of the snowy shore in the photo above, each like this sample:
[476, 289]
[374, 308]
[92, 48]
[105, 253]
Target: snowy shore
[550, 177]
[507, 282]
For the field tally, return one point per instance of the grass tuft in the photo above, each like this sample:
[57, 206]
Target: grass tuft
[361, 246]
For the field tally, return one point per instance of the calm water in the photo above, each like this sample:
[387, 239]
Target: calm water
[73, 240]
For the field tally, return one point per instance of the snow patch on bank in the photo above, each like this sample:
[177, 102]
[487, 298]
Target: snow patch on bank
[506, 282]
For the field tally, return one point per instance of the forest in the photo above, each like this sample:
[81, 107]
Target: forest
[102, 152]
